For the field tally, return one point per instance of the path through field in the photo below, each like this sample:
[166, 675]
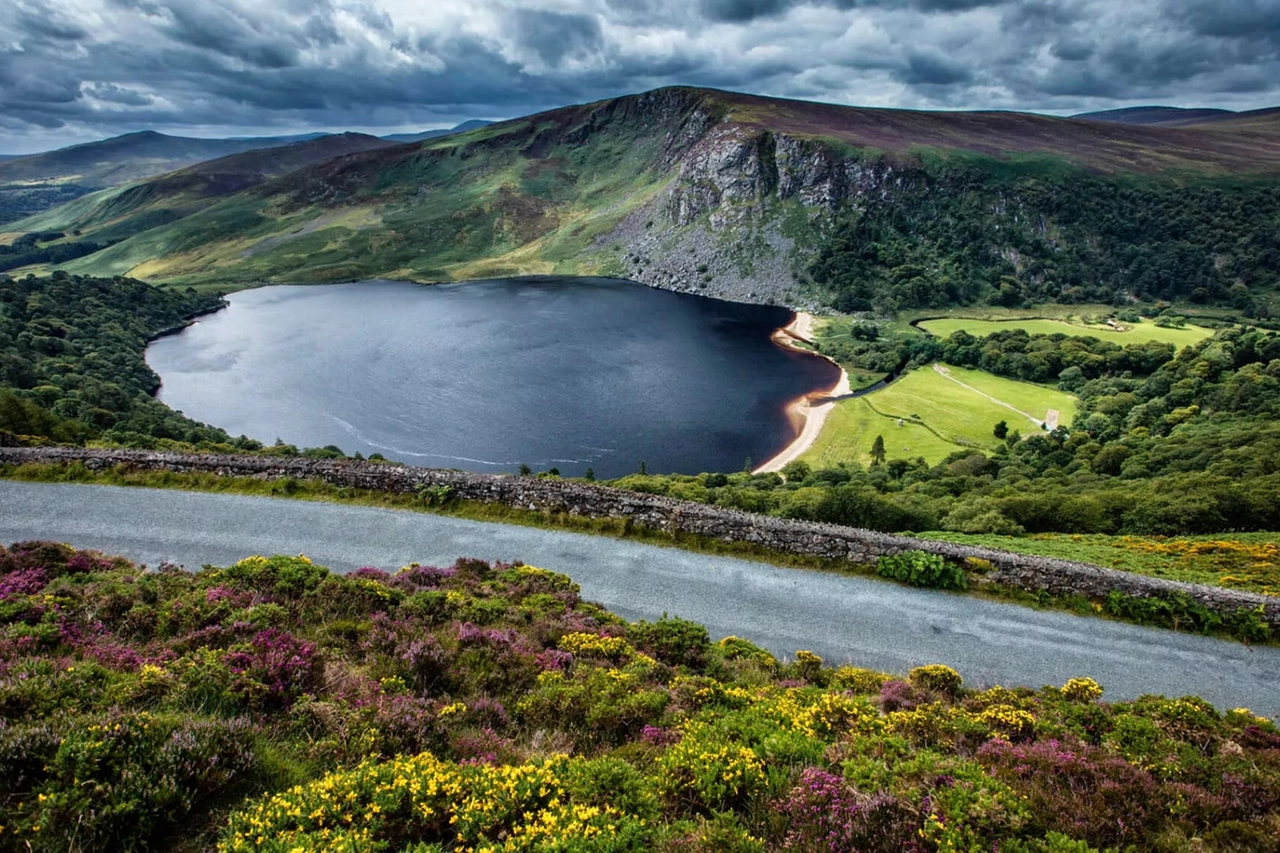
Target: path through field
[942, 371]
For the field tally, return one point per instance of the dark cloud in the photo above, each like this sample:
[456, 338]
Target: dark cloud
[929, 69]
[738, 11]
[90, 68]
[48, 23]
[555, 36]
[1231, 18]
[1072, 50]
[117, 94]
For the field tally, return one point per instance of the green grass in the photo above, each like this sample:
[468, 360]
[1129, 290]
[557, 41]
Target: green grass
[1132, 334]
[852, 427]
[293, 489]
[939, 416]
[1245, 561]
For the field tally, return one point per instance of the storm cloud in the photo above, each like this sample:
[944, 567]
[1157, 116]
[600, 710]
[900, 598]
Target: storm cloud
[74, 70]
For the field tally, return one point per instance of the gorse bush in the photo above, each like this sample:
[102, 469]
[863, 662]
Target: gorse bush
[919, 568]
[272, 705]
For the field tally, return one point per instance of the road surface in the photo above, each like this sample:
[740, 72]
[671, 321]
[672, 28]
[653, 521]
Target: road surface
[845, 619]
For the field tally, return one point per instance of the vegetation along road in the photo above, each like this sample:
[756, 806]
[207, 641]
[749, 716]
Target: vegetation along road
[870, 623]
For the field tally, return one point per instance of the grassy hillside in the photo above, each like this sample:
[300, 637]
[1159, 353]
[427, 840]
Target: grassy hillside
[943, 409]
[1120, 333]
[111, 215]
[272, 705]
[758, 199]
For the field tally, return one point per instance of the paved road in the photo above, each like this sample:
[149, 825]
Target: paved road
[859, 620]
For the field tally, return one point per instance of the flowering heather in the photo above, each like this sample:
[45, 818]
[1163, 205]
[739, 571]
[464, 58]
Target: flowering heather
[279, 662]
[433, 710]
[827, 815]
[416, 578]
[22, 582]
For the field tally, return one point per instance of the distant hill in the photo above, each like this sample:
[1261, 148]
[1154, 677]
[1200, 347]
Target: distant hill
[1255, 121]
[1165, 116]
[118, 212]
[473, 124]
[748, 198]
[114, 161]
[32, 183]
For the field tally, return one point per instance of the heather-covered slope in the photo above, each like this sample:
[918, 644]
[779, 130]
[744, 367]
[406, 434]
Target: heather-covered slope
[272, 705]
[735, 195]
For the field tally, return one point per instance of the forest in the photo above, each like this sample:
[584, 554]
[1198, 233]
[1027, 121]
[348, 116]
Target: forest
[27, 250]
[952, 234]
[273, 705]
[71, 360]
[1162, 444]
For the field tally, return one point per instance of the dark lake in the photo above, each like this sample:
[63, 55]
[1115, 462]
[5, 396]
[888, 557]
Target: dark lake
[483, 376]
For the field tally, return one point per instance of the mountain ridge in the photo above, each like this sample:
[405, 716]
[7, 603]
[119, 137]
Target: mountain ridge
[743, 187]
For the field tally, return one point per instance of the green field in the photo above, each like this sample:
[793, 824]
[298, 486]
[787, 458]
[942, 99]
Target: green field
[1130, 333]
[1247, 561]
[939, 415]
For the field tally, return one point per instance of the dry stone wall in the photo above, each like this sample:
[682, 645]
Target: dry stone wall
[1033, 574]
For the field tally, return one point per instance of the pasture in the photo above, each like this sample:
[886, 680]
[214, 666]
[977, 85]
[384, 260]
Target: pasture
[1126, 333]
[942, 409]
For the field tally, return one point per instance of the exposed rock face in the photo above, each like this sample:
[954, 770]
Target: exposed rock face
[1033, 574]
[718, 227]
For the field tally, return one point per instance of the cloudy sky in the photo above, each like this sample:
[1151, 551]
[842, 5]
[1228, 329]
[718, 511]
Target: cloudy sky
[76, 70]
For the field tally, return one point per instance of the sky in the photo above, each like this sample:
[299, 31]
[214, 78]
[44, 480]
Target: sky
[77, 70]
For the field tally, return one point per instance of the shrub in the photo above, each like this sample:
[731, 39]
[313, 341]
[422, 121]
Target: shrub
[674, 641]
[114, 781]
[937, 677]
[919, 568]
[275, 668]
[1082, 690]
[1079, 790]
[707, 772]
[825, 813]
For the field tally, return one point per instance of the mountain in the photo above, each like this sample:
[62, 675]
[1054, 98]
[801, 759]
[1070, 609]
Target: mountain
[32, 183]
[113, 214]
[759, 199]
[126, 158]
[1165, 116]
[473, 124]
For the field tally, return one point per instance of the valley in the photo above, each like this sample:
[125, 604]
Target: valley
[1052, 455]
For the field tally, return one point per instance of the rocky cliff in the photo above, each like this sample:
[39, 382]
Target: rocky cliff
[697, 190]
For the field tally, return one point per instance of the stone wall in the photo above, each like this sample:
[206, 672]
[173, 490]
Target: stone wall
[1033, 574]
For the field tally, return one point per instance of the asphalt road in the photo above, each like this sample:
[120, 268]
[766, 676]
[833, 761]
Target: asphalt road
[845, 619]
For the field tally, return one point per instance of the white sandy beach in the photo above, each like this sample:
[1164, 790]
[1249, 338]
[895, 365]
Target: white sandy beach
[804, 410]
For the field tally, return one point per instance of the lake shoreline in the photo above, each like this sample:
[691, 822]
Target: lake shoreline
[808, 413]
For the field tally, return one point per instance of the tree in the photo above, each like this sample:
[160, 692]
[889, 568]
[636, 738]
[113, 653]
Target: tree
[796, 471]
[590, 475]
[877, 451]
[525, 470]
[1002, 430]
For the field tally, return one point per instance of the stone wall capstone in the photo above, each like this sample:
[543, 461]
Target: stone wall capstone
[1021, 571]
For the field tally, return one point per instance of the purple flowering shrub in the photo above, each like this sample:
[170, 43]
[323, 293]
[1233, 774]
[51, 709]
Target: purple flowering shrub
[22, 582]
[124, 696]
[825, 814]
[275, 668]
[1079, 790]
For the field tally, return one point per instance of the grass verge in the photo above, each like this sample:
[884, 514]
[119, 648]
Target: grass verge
[313, 490]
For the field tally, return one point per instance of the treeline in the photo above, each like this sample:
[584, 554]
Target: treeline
[26, 250]
[1189, 446]
[1014, 353]
[966, 235]
[72, 365]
